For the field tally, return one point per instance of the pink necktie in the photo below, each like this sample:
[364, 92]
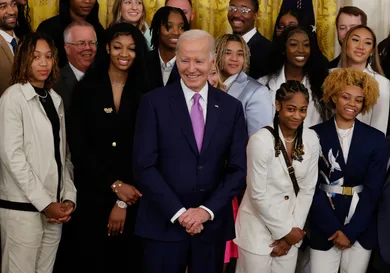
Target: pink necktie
[197, 120]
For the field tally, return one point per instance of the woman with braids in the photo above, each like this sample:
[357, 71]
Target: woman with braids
[359, 51]
[352, 172]
[295, 56]
[37, 193]
[281, 178]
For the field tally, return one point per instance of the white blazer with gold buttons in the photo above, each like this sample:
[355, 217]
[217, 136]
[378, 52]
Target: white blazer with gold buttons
[270, 209]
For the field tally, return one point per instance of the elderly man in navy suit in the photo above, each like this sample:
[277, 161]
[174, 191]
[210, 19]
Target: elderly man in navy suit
[190, 160]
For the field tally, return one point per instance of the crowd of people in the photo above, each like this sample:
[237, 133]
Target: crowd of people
[152, 149]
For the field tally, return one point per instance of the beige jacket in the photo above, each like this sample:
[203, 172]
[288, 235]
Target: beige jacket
[28, 170]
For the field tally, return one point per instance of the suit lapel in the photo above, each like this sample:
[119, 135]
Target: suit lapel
[179, 108]
[174, 75]
[7, 50]
[211, 117]
[238, 85]
[357, 143]
[155, 69]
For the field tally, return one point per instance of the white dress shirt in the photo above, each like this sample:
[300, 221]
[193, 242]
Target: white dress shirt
[8, 38]
[79, 74]
[188, 95]
[247, 36]
[229, 81]
[166, 68]
[345, 138]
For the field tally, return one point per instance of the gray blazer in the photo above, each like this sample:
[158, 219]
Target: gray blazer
[256, 101]
[65, 85]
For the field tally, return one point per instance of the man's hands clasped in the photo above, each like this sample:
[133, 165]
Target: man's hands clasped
[59, 212]
[192, 220]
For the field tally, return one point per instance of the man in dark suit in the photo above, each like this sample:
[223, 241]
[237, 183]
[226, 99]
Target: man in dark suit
[242, 15]
[190, 160]
[347, 18]
[80, 47]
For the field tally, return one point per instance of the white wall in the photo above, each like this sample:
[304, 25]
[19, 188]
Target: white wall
[378, 14]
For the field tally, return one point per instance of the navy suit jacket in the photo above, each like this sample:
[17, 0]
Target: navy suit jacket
[366, 165]
[259, 47]
[172, 174]
[384, 221]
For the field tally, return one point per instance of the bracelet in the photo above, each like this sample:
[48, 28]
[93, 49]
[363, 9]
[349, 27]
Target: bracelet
[115, 186]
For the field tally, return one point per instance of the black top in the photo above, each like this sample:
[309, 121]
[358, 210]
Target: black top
[334, 63]
[259, 47]
[51, 113]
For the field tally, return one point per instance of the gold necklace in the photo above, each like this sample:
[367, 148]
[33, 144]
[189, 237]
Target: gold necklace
[341, 138]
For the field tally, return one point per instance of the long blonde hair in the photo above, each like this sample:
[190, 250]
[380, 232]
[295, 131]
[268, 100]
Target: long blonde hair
[117, 15]
[373, 60]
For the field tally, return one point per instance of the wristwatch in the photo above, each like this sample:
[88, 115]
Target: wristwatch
[121, 204]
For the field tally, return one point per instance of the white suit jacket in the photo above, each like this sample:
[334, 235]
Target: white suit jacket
[256, 101]
[313, 116]
[378, 116]
[270, 209]
[28, 167]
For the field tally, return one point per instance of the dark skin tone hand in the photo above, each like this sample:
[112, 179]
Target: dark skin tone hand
[116, 221]
[280, 248]
[340, 240]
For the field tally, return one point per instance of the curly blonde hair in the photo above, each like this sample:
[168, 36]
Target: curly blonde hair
[220, 47]
[339, 78]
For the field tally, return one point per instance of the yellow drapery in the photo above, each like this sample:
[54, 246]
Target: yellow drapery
[211, 16]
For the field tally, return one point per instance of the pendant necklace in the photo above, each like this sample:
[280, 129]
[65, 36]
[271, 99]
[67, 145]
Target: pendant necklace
[43, 97]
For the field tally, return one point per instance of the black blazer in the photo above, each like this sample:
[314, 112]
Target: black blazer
[54, 27]
[154, 71]
[259, 47]
[100, 138]
[65, 85]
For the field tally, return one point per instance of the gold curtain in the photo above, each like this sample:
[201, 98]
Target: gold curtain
[211, 15]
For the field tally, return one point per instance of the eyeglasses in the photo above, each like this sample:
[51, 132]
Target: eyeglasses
[242, 10]
[82, 44]
[281, 28]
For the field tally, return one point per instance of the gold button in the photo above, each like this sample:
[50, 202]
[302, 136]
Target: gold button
[113, 144]
[286, 197]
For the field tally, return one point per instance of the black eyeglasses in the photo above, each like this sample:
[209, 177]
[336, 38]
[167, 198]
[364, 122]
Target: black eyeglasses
[82, 44]
[242, 10]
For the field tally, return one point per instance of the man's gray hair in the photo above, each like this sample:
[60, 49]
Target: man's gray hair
[195, 34]
[68, 32]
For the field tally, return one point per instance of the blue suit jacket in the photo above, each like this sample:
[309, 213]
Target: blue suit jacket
[256, 101]
[367, 160]
[172, 173]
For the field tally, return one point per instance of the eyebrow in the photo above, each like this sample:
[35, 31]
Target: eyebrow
[38, 50]
[368, 38]
[292, 39]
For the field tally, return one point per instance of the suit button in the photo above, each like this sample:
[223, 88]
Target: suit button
[199, 168]
[113, 144]
[286, 197]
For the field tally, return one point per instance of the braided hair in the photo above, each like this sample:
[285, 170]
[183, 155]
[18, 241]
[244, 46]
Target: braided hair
[284, 94]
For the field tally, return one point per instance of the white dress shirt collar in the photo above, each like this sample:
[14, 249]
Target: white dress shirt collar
[8, 38]
[188, 93]
[247, 36]
[79, 74]
[229, 81]
[166, 68]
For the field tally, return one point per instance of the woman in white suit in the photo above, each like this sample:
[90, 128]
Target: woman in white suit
[232, 60]
[295, 56]
[359, 51]
[269, 225]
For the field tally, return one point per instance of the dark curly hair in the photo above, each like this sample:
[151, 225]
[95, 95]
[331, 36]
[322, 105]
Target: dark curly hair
[316, 67]
[24, 21]
[25, 55]
[284, 93]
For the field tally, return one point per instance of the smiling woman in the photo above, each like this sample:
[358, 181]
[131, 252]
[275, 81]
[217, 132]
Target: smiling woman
[103, 108]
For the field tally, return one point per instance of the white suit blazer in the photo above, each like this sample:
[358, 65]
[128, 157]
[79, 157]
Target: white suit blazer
[313, 116]
[270, 209]
[378, 116]
[29, 171]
